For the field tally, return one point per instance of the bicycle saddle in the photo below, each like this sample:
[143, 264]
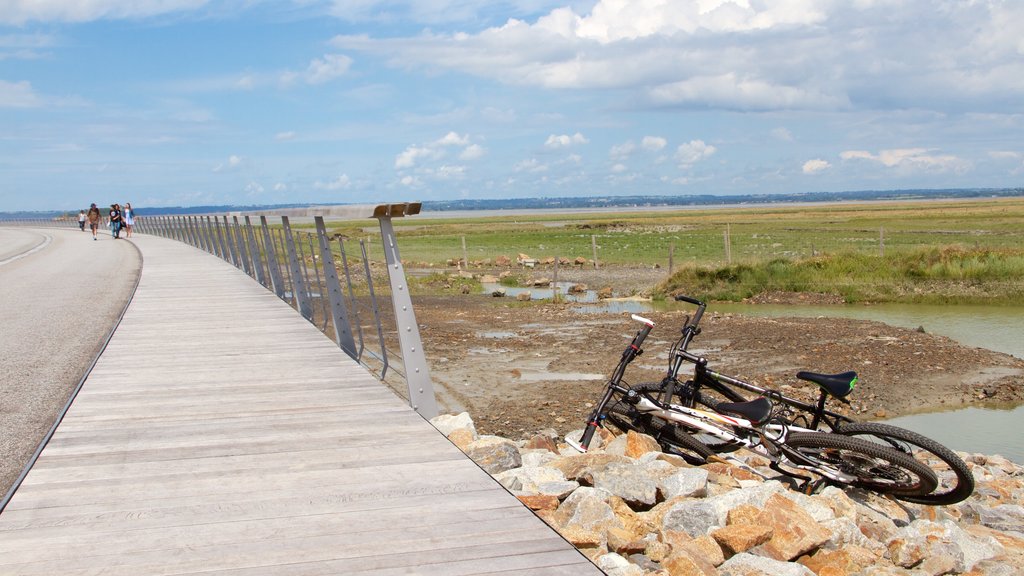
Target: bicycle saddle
[839, 385]
[757, 410]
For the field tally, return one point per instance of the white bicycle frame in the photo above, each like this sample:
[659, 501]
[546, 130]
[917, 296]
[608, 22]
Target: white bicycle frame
[711, 423]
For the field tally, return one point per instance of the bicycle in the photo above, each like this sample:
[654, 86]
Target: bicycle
[957, 483]
[834, 458]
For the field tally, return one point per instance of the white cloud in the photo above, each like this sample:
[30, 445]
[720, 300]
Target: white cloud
[472, 152]
[565, 141]
[692, 152]
[739, 54]
[328, 68]
[280, 187]
[815, 166]
[18, 12]
[233, 163]
[253, 189]
[653, 143]
[284, 136]
[531, 165]
[782, 134]
[436, 150]
[910, 159]
[623, 150]
[342, 182]
[450, 172]
[413, 154]
[18, 95]
[619, 168]
[453, 139]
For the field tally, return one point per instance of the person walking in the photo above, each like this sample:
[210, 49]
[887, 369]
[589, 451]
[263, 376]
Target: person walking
[115, 220]
[129, 219]
[94, 218]
[81, 220]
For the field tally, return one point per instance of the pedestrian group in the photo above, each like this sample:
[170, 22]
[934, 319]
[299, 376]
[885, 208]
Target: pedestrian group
[118, 219]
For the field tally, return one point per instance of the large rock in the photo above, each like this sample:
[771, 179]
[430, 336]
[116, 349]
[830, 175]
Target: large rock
[698, 517]
[526, 479]
[494, 454]
[794, 531]
[588, 508]
[737, 538]
[628, 481]
[923, 540]
[684, 482]
[750, 565]
[448, 423]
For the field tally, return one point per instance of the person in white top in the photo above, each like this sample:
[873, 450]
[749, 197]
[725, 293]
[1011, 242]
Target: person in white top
[128, 216]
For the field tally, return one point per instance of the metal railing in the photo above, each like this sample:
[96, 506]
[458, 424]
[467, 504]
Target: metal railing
[315, 273]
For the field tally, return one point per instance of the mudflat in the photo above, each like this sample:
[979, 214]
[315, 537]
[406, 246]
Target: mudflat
[520, 367]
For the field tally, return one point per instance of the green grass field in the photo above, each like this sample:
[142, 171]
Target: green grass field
[936, 251]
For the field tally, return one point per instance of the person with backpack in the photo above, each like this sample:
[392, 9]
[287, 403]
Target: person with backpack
[94, 218]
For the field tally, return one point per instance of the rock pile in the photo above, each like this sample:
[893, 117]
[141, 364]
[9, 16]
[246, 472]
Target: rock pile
[636, 511]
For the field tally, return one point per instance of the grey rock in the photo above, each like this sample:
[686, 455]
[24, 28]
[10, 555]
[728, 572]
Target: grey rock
[559, 490]
[615, 565]
[1005, 517]
[629, 482]
[588, 508]
[448, 423]
[684, 482]
[749, 565]
[494, 454]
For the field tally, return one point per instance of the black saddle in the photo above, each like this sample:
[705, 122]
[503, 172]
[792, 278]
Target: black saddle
[839, 385]
[757, 410]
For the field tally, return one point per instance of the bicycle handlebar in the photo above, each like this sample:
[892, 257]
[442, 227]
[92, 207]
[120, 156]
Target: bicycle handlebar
[684, 298]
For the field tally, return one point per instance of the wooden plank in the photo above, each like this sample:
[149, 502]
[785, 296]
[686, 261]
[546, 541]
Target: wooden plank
[222, 433]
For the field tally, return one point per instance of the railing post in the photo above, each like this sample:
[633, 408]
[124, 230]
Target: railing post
[298, 284]
[339, 312]
[273, 265]
[222, 250]
[417, 374]
[230, 240]
[243, 254]
[254, 253]
[214, 247]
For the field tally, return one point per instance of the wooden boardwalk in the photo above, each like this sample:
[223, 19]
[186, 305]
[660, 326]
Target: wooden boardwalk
[221, 433]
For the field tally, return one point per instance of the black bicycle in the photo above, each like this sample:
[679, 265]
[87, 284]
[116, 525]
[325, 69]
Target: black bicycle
[719, 391]
[696, 434]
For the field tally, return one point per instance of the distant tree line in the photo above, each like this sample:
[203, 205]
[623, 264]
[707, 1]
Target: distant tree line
[634, 201]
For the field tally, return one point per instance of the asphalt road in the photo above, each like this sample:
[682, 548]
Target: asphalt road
[61, 293]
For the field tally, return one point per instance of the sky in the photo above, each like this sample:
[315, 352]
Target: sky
[253, 102]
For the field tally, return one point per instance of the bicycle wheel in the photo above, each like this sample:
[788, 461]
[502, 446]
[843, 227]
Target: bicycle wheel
[956, 482]
[685, 396]
[875, 467]
[672, 440]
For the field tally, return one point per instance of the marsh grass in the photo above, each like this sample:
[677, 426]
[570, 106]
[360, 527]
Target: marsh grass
[948, 274]
[927, 251]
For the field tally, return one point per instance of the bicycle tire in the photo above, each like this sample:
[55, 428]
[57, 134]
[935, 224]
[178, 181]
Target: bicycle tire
[898, 438]
[672, 440]
[877, 468]
[683, 395]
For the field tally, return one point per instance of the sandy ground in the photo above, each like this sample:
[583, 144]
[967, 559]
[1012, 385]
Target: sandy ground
[518, 368]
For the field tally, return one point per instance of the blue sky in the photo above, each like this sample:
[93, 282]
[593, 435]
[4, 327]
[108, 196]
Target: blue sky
[189, 102]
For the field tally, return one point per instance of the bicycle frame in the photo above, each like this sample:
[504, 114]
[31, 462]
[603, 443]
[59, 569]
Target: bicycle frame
[725, 384]
[768, 439]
